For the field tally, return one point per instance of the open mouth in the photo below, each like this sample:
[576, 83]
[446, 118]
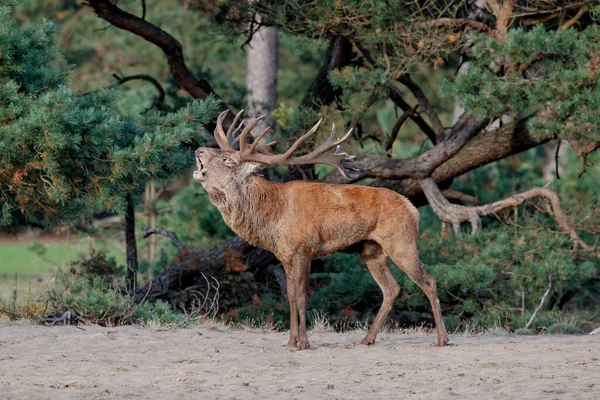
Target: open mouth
[200, 173]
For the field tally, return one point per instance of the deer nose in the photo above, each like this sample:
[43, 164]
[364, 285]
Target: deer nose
[200, 153]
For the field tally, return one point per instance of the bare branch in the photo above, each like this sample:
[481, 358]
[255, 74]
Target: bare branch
[457, 214]
[143, 77]
[396, 128]
[573, 20]
[423, 165]
[399, 101]
[441, 22]
[456, 196]
[161, 231]
[396, 97]
[199, 89]
[539, 307]
[425, 105]
[556, 159]
[554, 10]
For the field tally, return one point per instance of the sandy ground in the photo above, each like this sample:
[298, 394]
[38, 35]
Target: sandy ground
[39, 362]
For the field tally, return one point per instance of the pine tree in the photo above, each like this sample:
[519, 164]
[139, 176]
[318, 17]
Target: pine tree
[66, 156]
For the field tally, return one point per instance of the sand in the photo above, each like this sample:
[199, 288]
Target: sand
[92, 362]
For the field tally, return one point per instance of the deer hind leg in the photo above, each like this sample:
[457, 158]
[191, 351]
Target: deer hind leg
[377, 263]
[406, 257]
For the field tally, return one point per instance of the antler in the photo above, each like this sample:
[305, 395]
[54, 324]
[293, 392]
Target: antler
[226, 141]
[261, 154]
[229, 140]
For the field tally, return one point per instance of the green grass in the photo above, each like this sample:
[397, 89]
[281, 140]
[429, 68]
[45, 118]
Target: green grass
[22, 258]
[22, 261]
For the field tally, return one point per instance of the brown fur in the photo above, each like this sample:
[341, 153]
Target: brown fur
[299, 221]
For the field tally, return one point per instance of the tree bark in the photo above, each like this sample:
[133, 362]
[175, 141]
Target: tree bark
[131, 247]
[261, 75]
[321, 92]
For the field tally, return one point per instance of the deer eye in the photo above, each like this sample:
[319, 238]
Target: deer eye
[228, 162]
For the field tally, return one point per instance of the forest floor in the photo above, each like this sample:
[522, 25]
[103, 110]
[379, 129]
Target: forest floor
[92, 362]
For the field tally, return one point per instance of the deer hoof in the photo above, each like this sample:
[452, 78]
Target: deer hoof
[442, 341]
[292, 342]
[368, 341]
[303, 345]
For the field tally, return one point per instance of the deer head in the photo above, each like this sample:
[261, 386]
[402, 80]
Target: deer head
[235, 161]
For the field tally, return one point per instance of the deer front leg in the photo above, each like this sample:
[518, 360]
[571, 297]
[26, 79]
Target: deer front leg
[291, 293]
[302, 286]
[297, 285]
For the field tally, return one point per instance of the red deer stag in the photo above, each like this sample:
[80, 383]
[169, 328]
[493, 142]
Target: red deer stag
[299, 221]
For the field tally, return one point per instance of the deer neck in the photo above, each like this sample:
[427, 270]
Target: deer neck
[252, 209]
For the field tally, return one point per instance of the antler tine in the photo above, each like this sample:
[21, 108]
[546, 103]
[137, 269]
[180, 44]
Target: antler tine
[220, 135]
[248, 128]
[320, 155]
[329, 143]
[258, 139]
[302, 138]
[233, 128]
[266, 148]
[336, 159]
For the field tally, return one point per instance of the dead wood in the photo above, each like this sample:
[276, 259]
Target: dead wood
[457, 214]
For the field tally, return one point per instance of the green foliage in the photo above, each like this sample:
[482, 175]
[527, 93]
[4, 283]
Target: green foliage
[560, 328]
[200, 217]
[560, 83]
[65, 156]
[194, 218]
[355, 79]
[264, 311]
[96, 299]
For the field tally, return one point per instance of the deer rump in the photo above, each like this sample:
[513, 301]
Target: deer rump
[299, 221]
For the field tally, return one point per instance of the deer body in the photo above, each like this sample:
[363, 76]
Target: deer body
[283, 217]
[299, 221]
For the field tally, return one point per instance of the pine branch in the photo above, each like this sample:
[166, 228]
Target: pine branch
[321, 92]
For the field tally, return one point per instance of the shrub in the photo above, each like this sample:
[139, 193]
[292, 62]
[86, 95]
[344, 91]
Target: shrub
[561, 328]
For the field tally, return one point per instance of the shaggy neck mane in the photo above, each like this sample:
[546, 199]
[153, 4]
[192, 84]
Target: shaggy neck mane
[253, 209]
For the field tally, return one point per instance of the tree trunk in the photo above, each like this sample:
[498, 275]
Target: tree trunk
[261, 75]
[131, 247]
